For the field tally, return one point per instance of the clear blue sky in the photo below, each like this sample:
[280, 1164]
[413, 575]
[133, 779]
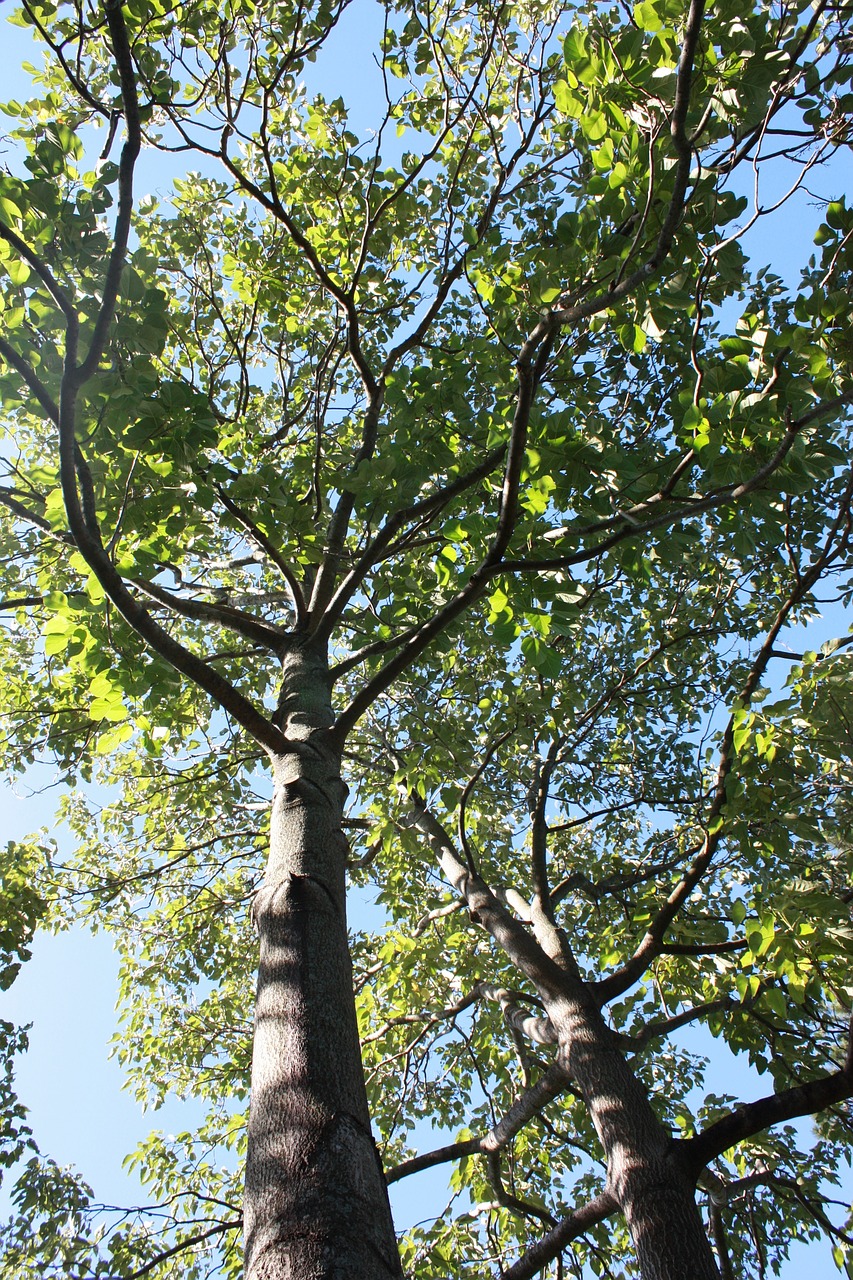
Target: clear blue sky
[68, 990]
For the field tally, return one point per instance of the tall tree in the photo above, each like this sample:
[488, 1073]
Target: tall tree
[503, 474]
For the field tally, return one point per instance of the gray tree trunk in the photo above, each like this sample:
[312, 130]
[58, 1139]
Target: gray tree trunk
[316, 1205]
[644, 1174]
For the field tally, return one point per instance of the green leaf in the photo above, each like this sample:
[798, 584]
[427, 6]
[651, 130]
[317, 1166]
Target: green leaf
[17, 270]
[594, 125]
[647, 17]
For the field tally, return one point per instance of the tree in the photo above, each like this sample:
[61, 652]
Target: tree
[502, 472]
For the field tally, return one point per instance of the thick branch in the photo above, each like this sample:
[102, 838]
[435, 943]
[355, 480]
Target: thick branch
[244, 624]
[127, 163]
[80, 519]
[754, 1117]
[540, 1030]
[522, 949]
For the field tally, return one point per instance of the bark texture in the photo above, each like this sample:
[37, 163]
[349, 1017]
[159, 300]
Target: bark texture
[316, 1204]
[646, 1176]
[649, 1177]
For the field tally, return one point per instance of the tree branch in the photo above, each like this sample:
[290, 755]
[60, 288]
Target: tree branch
[684, 153]
[522, 949]
[8, 500]
[127, 163]
[244, 624]
[42, 270]
[80, 520]
[35, 384]
[554, 1082]
[545, 1250]
[665, 1026]
[632, 525]
[540, 1030]
[530, 368]
[754, 1117]
[416, 514]
[269, 548]
[620, 981]
[183, 1246]
[524, 1208]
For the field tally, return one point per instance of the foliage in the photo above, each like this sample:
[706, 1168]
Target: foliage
[493, 398]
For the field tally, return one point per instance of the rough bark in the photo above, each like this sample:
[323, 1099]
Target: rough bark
[316, 1204]
[646, 1176]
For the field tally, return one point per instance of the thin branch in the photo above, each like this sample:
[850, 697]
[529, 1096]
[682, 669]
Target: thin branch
[718, 1231]
[269, 548]
[530, 369]
[570, 314]
[8, 500]
[183, 1246]
[417, 514]
[665, 1026]
[631, 521]
[30, 377]
[537, 804]
[554, 1082]
[427, 1019]
[413, 642]
[42, 270]
[469, 787]
[618, 982]
[703, 948]
[524, 1208]
[22, 602]
[567, 1229]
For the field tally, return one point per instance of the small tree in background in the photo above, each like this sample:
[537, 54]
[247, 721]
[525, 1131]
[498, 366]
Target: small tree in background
[462, 477]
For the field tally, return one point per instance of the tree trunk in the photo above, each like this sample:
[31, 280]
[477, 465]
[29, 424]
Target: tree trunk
[316, 1204]
[644, 1173]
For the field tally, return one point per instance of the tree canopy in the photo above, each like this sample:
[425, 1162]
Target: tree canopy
[497, 404]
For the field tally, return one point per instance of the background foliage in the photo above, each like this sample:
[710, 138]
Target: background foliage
[307, 396]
